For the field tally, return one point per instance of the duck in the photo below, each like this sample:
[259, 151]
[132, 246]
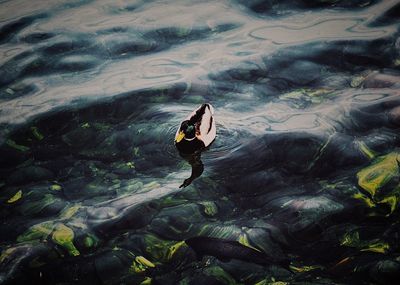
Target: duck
[197, 131]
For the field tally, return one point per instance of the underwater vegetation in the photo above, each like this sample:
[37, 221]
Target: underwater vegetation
[300, 186]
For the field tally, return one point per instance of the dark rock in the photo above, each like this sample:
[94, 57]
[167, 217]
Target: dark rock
[29, 174]
[73, 188]
[177, 222]
[11, 157]
[385, 271]
[227, 249]
[299, 72]
[80, 137]
[111, 265]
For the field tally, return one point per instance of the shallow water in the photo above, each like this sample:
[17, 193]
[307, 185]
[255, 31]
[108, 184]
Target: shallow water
[300, 186]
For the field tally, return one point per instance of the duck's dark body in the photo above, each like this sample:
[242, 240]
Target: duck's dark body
[187, 147]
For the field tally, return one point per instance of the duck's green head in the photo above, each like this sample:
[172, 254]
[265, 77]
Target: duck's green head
[187, 131]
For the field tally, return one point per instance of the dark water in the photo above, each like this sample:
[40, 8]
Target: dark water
[301, 185]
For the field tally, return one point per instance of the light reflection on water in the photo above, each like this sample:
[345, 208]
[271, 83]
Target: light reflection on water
[306, 102]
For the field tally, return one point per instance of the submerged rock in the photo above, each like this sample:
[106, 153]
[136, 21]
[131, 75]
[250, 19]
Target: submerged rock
[305, 216]
[89, 189]
[222, 231]
[80, 137]
[300, 72]
[249, 273]
[385, 271]
[112, 266]
[37, 232]
[228, 249]
[264, 239]
[12, 154]
[162, 250]
[13, 261]
[220, 274]
[177, 222]
[86, 187]
[43, 204]
[29, 174]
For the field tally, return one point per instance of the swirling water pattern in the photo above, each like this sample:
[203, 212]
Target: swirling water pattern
[303, 174]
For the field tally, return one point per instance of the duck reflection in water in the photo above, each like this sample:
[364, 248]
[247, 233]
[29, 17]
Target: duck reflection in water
[194, 135]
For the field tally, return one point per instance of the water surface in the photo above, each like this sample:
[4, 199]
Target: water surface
[304, 172]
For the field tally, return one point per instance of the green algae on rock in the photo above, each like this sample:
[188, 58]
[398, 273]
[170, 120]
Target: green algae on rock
[380, 172]
[220, 274]
[15, 198]
[69, 212]
[55, 187]
[210, 208]
[141, 264]
[16, 146]
[64, 236]
[352, 239]
[36, 133]
[379, 180]
[37, 232]
[90, 241]
[162, 250]
[34, 204]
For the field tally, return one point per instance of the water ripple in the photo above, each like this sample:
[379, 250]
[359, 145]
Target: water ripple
[325, 29]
